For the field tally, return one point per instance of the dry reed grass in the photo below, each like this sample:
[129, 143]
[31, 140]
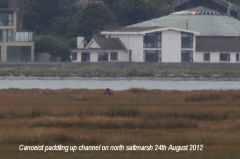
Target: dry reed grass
[135, 116]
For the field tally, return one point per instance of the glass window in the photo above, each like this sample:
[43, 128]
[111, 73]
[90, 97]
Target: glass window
[10, 19]
[1, 19]
[152, 40]
[10, 35]
[224, 56]
[74, 56]
[18, 53]
[6, 35]
[187, 40]
[4, 38]
[186, 56]
[85, 57]
[237, 57]
[6, 19]
[102, 56]
[206, 57]
[152, 55]
[114, 56]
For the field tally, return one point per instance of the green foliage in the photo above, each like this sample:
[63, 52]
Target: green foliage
[49, 16]
[3, 3]
[93, 19]
[54, 47]
[72, 43]
[133, 11]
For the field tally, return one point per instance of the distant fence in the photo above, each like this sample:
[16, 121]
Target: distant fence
[190, 66]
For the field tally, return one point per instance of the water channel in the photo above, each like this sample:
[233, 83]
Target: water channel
[119, 84]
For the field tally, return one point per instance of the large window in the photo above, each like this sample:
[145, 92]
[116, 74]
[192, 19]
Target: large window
[6, 35]
[224, 56]
[153, 40]
[113, 56]
[187, 40]
[6, 19]
[85, 57]
[206, 57]
[152, 55]
[187, 56]
[74, 56]
[102, 56]
[18, 53]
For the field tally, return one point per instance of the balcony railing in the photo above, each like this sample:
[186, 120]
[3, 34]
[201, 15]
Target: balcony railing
[24, 36]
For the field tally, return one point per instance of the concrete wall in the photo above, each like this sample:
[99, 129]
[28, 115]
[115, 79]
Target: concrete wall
[190, 66]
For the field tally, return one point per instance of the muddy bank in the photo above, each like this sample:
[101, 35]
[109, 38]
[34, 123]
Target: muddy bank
[156, 78]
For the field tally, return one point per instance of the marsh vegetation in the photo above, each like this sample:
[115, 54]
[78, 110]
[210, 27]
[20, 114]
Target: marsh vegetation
[134, 116]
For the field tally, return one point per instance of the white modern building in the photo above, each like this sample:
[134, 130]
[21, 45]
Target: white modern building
[140, 44]
[194, 35]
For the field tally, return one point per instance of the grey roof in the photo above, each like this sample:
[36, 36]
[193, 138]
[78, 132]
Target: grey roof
[179, 2]
[185, 4]
[217, 43]
[205, 24]
[134, 29]
[110, 43]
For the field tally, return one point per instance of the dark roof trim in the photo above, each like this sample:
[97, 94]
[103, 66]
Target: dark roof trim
[134, 29]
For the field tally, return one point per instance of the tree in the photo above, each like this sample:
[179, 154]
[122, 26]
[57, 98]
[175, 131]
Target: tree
[52, 46]
[93, 19]
[49, 16]
[134, 11]
[3, 3]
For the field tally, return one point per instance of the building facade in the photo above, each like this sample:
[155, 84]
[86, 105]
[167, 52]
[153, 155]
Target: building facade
[140, 44]
[15, 46]
[207, 33]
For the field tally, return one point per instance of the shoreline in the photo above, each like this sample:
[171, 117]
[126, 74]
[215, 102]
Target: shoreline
[168, 78]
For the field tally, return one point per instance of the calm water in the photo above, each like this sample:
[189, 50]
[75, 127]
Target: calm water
[119, 84]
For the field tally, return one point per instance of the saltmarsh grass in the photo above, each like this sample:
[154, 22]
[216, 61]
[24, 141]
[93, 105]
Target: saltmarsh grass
[134, 116]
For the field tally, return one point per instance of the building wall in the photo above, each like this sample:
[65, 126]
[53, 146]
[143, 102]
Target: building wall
[215, 57]
[171, 46]
[122, 57]
[5, 45]
[134, 43]
[19, 5]
[94, 45]
[68, 65]
[14, 27]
